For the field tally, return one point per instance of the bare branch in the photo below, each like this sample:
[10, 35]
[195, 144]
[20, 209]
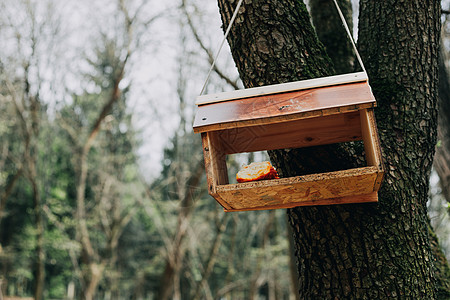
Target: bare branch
[207, 51]
[175, 257]
[73, 134]
[233, 286]
[154, 213]
[19, 109]
[115, 95]
[211, 260]
[103, 199]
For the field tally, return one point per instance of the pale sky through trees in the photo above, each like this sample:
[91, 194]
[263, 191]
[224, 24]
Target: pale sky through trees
[154, 68]
[97, 211]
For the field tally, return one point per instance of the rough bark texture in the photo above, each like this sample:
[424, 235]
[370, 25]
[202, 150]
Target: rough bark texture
[270, 44]
[328, 35]
[332, 33]
[442, 157]
[402, 57]
[441, 164]
[442, 269]
[368, 251]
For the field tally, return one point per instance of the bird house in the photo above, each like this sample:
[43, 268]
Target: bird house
[299, 114]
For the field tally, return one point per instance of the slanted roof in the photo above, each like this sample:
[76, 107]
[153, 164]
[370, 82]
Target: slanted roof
[283, 102]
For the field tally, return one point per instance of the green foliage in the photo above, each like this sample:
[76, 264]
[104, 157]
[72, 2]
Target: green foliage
[253, 248]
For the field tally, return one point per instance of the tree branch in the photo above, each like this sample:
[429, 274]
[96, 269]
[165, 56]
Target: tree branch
[115, 95]
[175, 256]
[155, 214]
[211, 260]
[207, 51]
[81, 188]
[73, 134]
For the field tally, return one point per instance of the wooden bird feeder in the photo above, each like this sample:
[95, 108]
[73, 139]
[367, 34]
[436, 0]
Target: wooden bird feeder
[299, 114]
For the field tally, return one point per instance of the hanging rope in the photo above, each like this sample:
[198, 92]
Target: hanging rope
[221, 45]
[349, 35]
[231, 24]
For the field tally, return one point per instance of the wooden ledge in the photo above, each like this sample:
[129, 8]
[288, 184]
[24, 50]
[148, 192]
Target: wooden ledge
[283, 87]
[316, 189]
[366, 198]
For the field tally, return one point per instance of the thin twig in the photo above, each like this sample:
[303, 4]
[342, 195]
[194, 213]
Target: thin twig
[211, 260]
[207, 51]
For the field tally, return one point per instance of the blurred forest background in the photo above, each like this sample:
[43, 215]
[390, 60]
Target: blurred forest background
[102, 186]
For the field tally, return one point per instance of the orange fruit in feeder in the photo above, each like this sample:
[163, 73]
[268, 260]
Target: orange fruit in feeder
[257, 171]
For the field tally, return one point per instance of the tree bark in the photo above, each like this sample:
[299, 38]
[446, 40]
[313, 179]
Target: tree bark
[332, 34]
[270, 45]
[441, 164]
[442, 157]
[404, 75]
[328, 34]
[96, 274]
[371, 251]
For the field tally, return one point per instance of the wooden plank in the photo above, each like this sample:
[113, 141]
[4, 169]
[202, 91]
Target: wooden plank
[278, 119]
[218, 164]
[283, 107]
[366, 198]
[378, 180]
[223, 203]
[295, 134]
[372, 146]
[208, 163]
[369, 137]
[282, 88]
[215, 164]
[215, 174]
[299, 189]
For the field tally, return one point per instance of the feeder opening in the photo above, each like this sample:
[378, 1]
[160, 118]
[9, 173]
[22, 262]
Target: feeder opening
[307, 114]
[236, 162]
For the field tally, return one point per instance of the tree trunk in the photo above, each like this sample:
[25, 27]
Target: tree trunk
[441, 164]
[402, 62]
[31, 126]
[328, 34]
[332, 34]
[270, 44]
[371, 251]
[176, 256]
[40, 253]
[295, 287]
[442, 157]
[211, 259]
[96, 274]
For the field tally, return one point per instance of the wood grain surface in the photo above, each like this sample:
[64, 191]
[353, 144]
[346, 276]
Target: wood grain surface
[315, 189]
[294, 134]
[283, 87]
[283, 107]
